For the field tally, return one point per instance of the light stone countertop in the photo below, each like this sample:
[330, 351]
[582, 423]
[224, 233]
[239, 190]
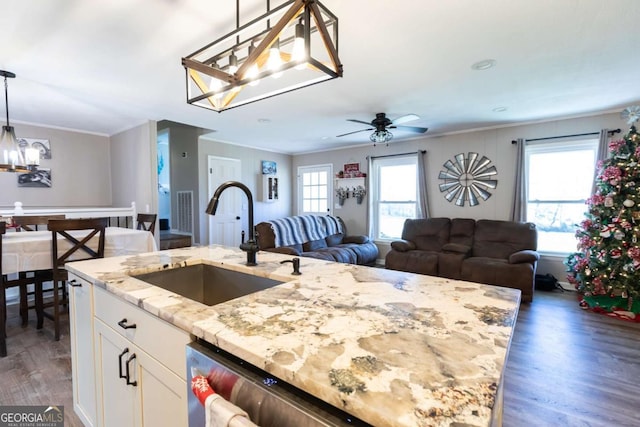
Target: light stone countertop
[391, 348]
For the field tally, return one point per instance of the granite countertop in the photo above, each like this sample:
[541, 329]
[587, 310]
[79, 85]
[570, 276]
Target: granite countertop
[391, 348]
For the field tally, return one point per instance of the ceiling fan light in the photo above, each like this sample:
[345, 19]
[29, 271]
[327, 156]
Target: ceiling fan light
[380, 136]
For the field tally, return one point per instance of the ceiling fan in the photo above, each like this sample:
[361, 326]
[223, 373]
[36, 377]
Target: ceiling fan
[381, 123]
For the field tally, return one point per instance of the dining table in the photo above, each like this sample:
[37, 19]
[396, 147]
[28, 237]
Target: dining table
[31, 250]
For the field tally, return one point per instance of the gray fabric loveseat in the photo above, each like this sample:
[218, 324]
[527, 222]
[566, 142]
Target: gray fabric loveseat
[315, 236]
[502, 253]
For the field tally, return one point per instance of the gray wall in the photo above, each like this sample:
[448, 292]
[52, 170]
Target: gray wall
[251, 165]
[134, 168]
[494, 143]
[80, 171]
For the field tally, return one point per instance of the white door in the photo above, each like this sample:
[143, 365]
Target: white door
[225, 227]
[315, 189]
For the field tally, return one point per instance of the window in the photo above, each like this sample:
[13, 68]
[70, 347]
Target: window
[394, 195]
[315, 189]
[559, 180]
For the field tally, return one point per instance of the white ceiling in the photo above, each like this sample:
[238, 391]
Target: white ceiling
[106, 66]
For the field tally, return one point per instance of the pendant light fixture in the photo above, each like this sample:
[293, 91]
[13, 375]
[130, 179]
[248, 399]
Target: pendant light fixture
[295, 43]
[11, 158]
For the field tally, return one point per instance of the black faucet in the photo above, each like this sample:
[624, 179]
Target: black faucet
[296, 265]
[250, 246]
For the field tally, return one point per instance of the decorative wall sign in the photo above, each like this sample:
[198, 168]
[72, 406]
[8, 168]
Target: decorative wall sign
[467, 178]
[38, 178]
[269, 167]
[352, 170]
[43, 146]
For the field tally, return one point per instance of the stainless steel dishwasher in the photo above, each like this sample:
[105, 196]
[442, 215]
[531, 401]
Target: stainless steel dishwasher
[268, 401]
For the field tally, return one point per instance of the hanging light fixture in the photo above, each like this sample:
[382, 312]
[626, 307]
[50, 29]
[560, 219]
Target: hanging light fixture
[380, 135]
[11, 158]
[296, 43]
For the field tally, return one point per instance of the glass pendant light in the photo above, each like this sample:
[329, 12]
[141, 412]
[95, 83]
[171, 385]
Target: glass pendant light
[253, 71]
[215, 85]
[233, 67]
[11, 158]
[298, 53]
[274, 62]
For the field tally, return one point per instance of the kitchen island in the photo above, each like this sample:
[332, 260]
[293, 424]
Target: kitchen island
[391, 348]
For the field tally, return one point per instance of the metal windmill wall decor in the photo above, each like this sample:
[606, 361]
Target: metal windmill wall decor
[467, 178]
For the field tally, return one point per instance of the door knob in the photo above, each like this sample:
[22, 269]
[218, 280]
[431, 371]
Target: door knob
[237, 217]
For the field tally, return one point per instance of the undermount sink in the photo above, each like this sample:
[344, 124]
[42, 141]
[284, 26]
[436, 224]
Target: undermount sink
[207, 284]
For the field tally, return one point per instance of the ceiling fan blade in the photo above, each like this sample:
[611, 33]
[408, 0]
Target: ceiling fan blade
[355, 131]
[413, 129]
[359, 121]
[404, 119]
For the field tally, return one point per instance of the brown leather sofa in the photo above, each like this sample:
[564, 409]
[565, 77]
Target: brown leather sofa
[502, 253]
[315, 236]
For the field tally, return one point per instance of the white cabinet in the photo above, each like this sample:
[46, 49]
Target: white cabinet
[136, 389]
[104, 343]
[140, 366]
[81, 333]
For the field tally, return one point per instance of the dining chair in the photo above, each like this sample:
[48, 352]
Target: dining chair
[33, 222]
[147, 222]
[7, 283]
[71, 240]
[30, 223]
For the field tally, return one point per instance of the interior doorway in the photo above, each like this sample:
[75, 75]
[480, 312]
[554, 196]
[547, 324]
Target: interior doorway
[164, 180]
[225, 227]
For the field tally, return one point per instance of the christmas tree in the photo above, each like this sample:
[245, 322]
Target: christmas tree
[606, 267]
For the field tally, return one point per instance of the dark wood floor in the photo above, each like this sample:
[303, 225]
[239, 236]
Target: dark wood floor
[37, 369]
[570, 367]
[566, 367]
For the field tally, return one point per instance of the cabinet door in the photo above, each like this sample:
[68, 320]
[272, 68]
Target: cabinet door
[118, 400]
[149, 395]
[163, 394]
[81, 333]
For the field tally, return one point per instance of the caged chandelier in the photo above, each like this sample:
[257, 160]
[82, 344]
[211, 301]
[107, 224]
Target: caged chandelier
[291, 46]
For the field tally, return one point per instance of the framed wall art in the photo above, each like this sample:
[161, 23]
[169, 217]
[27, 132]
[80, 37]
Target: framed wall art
[467, 178]
[37, 178]
[269, 167]
[352, 170]
[42, 145]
